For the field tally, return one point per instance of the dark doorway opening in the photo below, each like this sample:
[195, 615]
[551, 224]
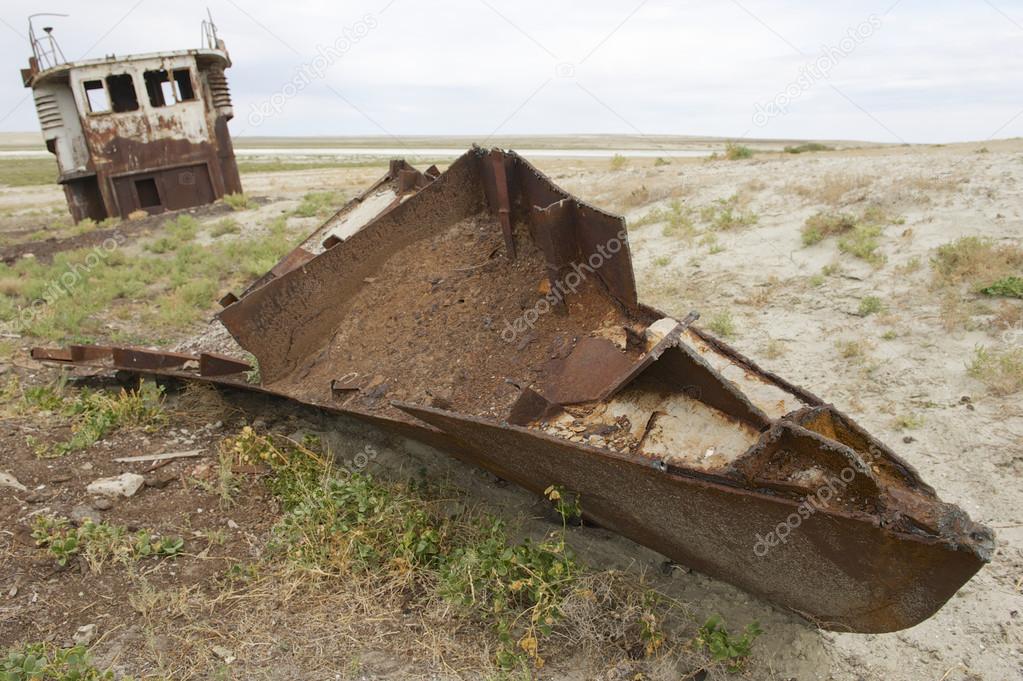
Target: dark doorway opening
[149, 195]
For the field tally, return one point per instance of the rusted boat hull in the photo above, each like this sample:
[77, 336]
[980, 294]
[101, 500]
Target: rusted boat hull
[668, 436]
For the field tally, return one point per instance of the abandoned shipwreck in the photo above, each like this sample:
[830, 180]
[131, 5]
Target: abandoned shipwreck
[139, 132]
[488, 313]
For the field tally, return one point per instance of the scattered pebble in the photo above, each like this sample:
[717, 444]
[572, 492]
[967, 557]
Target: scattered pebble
[224, 654]
[8, 480]
[85, 634]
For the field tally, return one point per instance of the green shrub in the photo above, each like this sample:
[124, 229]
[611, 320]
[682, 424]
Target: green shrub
[824, 224]
[737, 152]
[808, 147]
[1009, 287]
[46, 662]
[95, 414]
[870, 305]
[237, 201]
[724, 647]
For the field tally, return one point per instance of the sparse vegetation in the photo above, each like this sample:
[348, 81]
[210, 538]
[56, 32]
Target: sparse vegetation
[237, 201]
[95, 414]
[851, 349]
[824, 224]
[73, 297]
[1000, 370]
[863, 242]
[225, 226]
[807, 148]
[339, 525]
[726, 214]
[833, 188]
[909, 421]
[1008, 287]
[737, 152]
[870, 305]
[25, 172]
[732, 650]
[677, 219]
[319, 204]
[46, 662]
[722, 324]
[859, 235]
[100, 543]
[618, 162]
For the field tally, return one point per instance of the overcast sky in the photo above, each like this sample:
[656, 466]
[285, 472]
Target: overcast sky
[912, 71]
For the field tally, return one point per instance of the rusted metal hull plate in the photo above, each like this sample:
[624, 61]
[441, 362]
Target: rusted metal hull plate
[842, 572]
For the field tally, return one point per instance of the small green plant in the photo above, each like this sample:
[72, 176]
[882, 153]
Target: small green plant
[824, 224]
[319, 204]
[737, 152]
[909, 422]
[253, 375]
[725, 214]
[46, 662]
[237, 201]
[851, 349]
[722, 324]
[660, 161]
[870, 305]
[99, 543]
[662, 261]
[890, 335]
[95, 414]
[225, 226]
[863, 243]
[618, 162]
[567, 506]
[724, 647]
[677, 219]
[1000, 370]
[1009, 287]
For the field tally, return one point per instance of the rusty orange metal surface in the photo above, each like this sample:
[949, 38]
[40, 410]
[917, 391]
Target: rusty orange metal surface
[816, 515]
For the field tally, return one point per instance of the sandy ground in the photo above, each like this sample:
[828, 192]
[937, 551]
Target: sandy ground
[907, 387]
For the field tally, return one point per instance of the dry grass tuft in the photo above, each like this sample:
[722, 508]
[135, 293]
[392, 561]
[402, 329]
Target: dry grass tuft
[975, 261]
[834, 189]
[1000, 370]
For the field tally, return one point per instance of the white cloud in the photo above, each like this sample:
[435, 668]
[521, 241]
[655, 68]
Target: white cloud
[938, 71]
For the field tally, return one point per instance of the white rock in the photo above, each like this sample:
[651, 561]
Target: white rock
[85, 634]
[8, 480]
[225, 654]
[125, 485]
